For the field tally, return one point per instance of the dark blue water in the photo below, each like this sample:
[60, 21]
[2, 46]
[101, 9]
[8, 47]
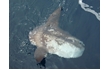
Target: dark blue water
[24, 15]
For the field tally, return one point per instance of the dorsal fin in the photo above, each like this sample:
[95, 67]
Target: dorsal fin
[54, 17]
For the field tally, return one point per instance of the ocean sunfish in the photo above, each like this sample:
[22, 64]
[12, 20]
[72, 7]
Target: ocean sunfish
[49, 38]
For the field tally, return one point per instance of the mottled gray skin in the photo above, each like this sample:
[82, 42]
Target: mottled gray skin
[41, 51]
[50, 31]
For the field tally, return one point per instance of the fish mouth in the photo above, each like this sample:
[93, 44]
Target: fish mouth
[79, 48]
[78, 52]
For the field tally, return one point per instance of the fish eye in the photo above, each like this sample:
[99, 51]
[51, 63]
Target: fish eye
[61, 8]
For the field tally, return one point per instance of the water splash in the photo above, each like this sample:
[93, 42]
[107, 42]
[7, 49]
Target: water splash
[87, 8]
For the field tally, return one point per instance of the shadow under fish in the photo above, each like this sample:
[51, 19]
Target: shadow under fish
[49, 38]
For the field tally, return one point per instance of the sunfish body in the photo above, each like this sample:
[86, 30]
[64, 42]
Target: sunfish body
[49, 38]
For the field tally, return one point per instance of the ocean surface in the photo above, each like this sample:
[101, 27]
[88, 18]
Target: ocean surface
[25, 15]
